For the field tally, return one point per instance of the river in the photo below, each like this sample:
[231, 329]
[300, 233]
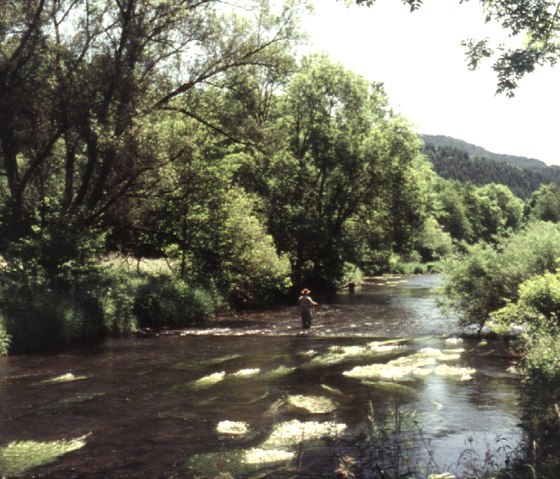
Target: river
[253, 395]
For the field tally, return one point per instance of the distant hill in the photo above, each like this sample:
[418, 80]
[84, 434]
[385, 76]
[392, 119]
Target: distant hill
[478, 151]
[458, 160]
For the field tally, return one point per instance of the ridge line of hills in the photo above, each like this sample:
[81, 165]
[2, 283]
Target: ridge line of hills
[478, 151]
[458, 160]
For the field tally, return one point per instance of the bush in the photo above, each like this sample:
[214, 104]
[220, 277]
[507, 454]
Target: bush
[434, 243]
[542, 357]
[43, 320]
[378, 262]
[486, 278]
[537, 311]
[470, 286]
[118, 306]
[4, 338]
[84, 304]
[414, 263]
[165, 301]
[351, 274]
[537, 306]
[79, 305]
[114, 290]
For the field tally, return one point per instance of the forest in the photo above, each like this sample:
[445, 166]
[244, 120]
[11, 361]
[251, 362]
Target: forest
[456, 163]
[165, 160]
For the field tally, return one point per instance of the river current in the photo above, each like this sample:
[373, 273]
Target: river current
[381, 381]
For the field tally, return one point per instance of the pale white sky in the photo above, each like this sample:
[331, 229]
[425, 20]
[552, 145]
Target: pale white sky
[419, 58]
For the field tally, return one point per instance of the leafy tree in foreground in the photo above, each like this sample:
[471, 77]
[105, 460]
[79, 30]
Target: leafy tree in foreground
[535, 22]
[92, 152]
[84, 86]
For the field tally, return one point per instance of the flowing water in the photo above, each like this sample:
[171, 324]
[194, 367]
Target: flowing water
[256, 396]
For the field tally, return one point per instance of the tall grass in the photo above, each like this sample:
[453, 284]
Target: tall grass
[86, 304]
[166, 301]
[393, 446]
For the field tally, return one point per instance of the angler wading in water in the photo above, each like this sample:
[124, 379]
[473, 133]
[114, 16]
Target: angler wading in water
[306, 305]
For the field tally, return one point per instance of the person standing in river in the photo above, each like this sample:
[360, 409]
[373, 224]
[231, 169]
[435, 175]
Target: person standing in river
[306, 305]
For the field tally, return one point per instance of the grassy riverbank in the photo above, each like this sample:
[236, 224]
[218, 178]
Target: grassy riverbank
[116, 297]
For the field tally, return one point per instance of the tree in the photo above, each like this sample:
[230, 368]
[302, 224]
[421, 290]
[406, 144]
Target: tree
[493, 210]
[452, 213]
[545, 203]
[84, 87]
[344, 154]
[472, 214]
[510, 206]
[537, 22]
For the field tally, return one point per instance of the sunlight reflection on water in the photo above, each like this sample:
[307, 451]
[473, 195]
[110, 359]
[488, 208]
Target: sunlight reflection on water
[162, 406]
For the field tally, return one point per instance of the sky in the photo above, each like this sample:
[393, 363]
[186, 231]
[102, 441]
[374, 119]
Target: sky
[419, 58]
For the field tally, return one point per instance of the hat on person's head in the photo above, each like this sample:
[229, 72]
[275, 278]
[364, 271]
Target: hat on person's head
[305, 291]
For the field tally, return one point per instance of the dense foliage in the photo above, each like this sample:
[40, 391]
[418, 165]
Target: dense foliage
[456, 164]
[471, 214]
[111, 140]
[514, 285]
[475, 151]
[191, 136]
[484, 280]
[188, 132]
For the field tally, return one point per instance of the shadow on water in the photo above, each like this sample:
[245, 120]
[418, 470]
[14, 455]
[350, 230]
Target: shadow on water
[256, 395]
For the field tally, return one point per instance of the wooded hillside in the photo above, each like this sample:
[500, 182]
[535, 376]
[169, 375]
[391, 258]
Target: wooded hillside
[461, 161]
[478, 151]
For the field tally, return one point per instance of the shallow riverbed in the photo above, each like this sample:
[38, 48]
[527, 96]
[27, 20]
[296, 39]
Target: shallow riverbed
[255, 396]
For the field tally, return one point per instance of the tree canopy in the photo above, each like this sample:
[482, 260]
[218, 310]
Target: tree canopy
[192, 135]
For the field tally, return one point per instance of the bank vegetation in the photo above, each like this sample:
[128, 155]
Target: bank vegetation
[161, 161]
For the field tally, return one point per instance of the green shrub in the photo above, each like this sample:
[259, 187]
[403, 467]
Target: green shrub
[378, 261]
[415, 264]
[43, 320]
[470, 287]
[114, 290]
[199, 304]
[410, 267]
[43, 313]
[165, 301]
[542, 357]
[90, 303]
[434, 243]
[485, 279]
[4, 338]
[537, 305]
[351, 274]
[537, 311]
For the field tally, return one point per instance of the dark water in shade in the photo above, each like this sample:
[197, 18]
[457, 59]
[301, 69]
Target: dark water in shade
[147, 413]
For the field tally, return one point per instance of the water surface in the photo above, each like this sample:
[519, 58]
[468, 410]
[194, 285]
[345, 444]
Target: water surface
[255, 396]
